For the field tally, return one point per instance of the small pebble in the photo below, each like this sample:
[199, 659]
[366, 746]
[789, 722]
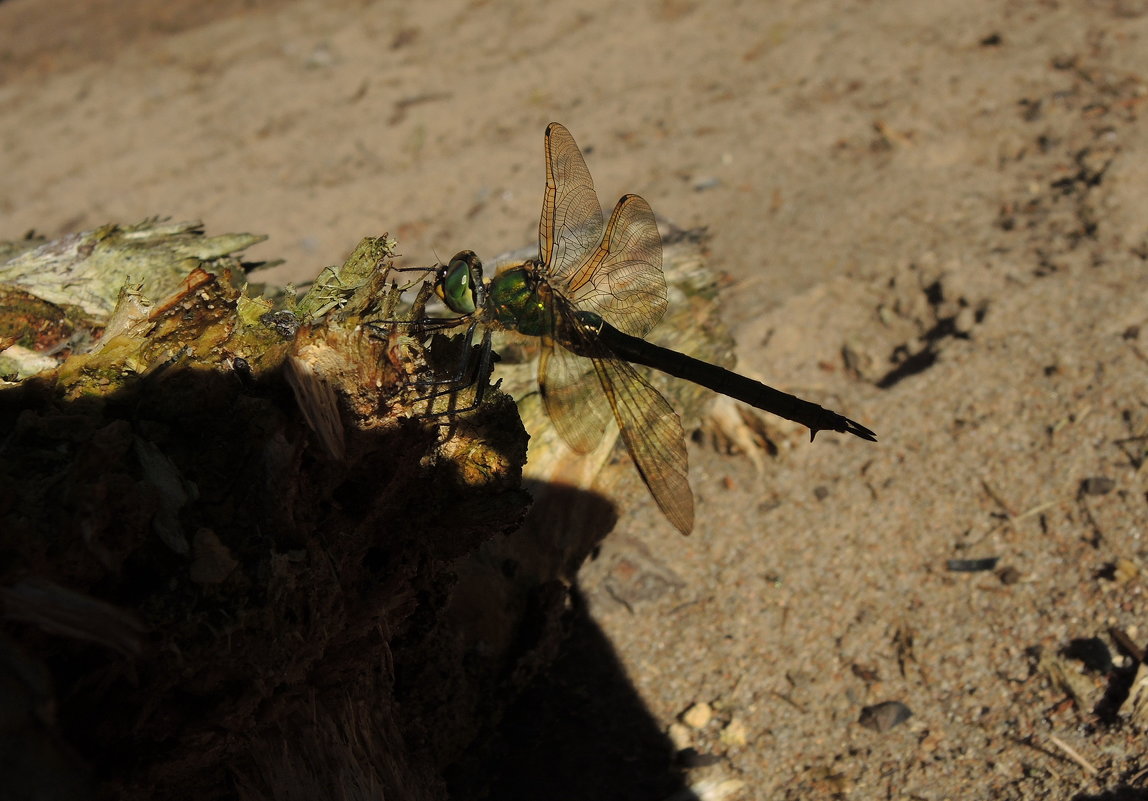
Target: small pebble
[735, 734]
[1097, 485]
[884, 716]
[965, 320]
[717, 789]
[1009, 575]
[679, 735]
[1125, 570]
[698, 715]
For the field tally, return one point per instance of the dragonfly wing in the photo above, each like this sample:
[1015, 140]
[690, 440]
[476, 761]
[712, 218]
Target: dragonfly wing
[653, 433]
[616, 272]
[571, 223]
[591, 387]
[573, 397]
[622, 280]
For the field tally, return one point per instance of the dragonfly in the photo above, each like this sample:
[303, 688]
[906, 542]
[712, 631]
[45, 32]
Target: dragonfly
[594, 292]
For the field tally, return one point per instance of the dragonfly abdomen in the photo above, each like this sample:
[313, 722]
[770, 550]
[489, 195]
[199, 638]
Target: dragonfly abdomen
[815, 418]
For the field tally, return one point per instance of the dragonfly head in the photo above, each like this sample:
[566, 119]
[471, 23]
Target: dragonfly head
[459, 283]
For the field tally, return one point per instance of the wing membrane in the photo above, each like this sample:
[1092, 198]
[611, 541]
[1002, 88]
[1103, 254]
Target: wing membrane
[573, 397]
[622, 280]
[571, 222]
[653, 432]
[578, 392]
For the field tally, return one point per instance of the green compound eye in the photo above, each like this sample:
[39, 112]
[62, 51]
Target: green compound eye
[456, 288]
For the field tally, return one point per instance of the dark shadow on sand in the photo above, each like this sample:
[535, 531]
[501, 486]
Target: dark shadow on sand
[578, 732]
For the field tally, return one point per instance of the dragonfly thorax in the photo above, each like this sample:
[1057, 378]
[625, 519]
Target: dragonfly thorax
[519, 299]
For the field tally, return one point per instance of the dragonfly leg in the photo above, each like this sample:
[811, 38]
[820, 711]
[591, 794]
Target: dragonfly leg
[458, 379]
[480, 379]
[469, 372]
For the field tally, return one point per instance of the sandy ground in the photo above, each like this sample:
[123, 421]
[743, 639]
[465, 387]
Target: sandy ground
[930, 216]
